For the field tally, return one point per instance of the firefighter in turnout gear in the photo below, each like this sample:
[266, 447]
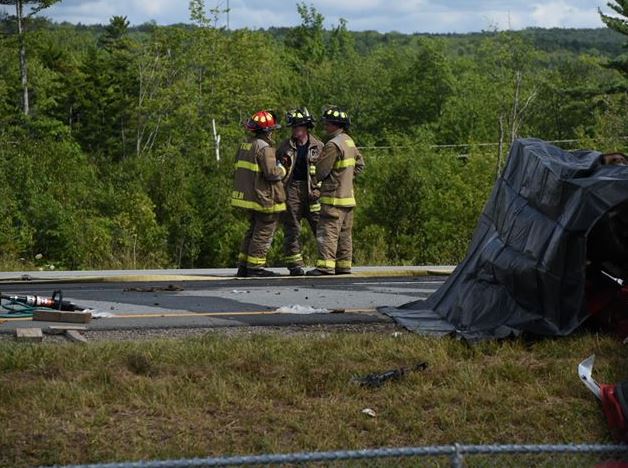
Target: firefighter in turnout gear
[260, 191]
[336, 168]
[299, 154]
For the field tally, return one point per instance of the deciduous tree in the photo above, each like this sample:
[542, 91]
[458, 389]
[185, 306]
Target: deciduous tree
[21, 19]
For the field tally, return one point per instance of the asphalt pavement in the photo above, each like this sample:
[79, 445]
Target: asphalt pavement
[212, 298]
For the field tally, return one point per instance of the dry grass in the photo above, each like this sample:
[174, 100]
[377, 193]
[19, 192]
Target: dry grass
[222, 394]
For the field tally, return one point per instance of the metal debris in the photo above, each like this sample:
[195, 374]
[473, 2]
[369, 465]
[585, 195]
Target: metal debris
[169, 288]
[376, 380]
[369, 412]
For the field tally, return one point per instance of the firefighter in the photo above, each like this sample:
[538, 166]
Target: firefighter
[299, 154]
[336, 168]
[259, 190]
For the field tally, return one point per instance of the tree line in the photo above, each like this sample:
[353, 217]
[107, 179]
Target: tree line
[117, 143]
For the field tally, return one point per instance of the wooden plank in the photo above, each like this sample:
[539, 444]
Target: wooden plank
[29, 334]
[58, 316]
[74, 335]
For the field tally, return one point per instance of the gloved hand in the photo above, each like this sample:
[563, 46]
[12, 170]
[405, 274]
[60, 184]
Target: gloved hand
[315, 195]
[285, 161]
[284, 170]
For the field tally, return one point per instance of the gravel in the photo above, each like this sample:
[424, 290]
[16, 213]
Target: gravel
[178, 333]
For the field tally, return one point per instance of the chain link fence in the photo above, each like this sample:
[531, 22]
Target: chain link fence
[437, 456]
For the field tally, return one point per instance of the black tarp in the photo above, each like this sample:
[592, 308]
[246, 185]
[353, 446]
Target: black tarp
[525, 269]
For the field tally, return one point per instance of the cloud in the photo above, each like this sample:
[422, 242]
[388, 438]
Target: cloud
[84, 12]
[99, 11]
[437, 16]
[152, 7]
[558, 14]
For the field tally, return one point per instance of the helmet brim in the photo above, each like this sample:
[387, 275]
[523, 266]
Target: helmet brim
[252, 128]
[309, 125]
[339, 122]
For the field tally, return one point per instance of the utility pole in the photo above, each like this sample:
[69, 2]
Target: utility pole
[228, 12]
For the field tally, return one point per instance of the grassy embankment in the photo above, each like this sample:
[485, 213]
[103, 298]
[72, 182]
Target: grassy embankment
[224, 394]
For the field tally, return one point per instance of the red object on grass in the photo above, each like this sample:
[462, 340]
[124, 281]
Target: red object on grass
[615, 412]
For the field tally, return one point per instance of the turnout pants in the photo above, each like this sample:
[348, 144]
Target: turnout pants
[258, 239]
[298, 208]
[335, 246]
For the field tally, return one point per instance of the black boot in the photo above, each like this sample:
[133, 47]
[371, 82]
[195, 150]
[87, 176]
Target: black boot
[261, 273]
[296, 271]
[317, 272]
[242, 272]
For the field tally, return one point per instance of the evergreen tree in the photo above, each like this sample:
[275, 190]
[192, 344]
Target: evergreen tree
[115, 32]
[308, 39]
[619, 24]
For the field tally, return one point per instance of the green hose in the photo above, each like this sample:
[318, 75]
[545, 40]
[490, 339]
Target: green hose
[16, 309]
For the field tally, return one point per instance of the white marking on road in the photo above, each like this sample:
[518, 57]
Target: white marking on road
[389, 290]
[435, 283]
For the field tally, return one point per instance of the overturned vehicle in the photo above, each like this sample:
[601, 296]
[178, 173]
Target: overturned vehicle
[549, 252]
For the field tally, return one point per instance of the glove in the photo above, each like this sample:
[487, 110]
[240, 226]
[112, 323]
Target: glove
[285, 161]
[285, 171]
[315, 195]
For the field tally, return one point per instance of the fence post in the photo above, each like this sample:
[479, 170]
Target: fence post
[457, 459]
[216, 140]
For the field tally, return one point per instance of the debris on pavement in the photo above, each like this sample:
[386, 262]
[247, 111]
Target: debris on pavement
[300, 310]
[29, 334]
[376, 380]
[41, 315]
[99, 315]
[369, 412]
[169, 288]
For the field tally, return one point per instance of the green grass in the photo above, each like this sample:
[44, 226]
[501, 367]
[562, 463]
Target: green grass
[243, 394]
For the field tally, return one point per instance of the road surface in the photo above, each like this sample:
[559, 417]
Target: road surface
[225, 302]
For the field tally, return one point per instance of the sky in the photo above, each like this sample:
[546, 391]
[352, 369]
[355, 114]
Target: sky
[407, 16]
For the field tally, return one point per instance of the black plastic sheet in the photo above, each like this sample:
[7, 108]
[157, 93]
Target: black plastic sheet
[525, 268]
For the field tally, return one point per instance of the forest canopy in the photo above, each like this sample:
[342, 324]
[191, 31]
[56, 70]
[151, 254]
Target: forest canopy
[114, 162]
